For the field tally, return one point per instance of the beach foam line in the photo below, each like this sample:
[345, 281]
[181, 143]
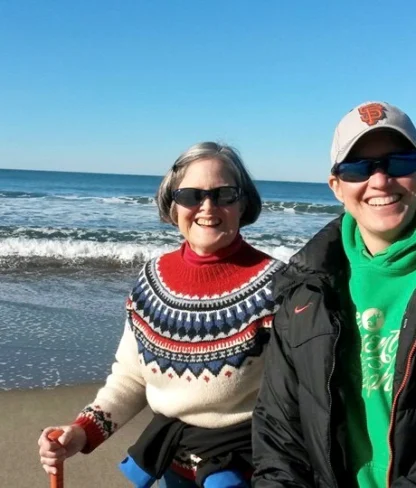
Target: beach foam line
[26, 253]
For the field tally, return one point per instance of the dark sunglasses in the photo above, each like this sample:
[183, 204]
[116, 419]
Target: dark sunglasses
[220, 197]
[394, 165]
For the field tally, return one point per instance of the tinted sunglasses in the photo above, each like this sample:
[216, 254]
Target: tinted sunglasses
[220, 197]
[359, 170]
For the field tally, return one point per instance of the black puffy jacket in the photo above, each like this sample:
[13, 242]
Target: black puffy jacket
[299, 423]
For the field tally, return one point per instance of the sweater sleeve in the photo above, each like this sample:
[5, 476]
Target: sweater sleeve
[121, 398]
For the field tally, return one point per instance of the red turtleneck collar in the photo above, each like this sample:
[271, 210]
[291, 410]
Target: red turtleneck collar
[191, 257]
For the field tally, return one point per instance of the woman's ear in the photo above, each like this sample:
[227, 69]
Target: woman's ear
[336, 186]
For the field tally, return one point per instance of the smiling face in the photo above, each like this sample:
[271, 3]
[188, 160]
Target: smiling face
[208, 228]
[382, 206]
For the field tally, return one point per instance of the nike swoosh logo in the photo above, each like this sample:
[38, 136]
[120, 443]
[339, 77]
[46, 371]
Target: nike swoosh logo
[301, 309]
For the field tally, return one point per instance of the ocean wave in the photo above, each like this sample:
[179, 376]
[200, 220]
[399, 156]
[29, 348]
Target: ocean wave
[114, 200]
[169, 236]
[136, 200]
[82, 234]
[21, 194]
[19, 253]
[143, 200]
[301, 208]
[123, 199]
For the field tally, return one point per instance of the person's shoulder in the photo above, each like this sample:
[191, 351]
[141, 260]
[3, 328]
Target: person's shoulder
[150, 267]
[316, 270]
[260, 255]
[168, 256]
[249, 248]
[321, 257]
[304, 295]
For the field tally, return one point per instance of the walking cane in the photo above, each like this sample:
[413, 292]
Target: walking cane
[57, 480]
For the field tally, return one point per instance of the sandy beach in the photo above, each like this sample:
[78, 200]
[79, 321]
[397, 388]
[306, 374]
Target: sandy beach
[26, 412]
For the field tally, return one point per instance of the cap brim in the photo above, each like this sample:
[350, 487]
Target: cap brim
[371, 129]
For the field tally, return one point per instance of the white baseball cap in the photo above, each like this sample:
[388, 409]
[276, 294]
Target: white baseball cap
[367, 117]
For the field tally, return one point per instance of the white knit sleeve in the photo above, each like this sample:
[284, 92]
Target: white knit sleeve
[125, 388]
[121, 398]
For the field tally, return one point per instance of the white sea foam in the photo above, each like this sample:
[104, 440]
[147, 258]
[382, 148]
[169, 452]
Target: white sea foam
[69, 250]
[75, 251]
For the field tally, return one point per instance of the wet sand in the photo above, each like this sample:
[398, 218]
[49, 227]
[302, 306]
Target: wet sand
[24, 413]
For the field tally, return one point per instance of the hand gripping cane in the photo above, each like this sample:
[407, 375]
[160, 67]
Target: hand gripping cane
[57, 480]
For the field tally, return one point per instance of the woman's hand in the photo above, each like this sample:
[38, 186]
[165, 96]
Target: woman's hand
[52, 454]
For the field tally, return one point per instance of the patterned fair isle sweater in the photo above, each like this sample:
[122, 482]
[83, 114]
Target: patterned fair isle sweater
[193, 343]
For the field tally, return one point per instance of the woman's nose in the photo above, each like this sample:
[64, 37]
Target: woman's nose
[379, 178]
[207, 202]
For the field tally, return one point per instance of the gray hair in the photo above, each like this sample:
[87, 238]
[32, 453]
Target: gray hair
[209, 150]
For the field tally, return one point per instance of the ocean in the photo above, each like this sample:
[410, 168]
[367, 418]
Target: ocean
[71, 245]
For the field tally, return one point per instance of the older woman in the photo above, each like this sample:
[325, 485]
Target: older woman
[192, 349]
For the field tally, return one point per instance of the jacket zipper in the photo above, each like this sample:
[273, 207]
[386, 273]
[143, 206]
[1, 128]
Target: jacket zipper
[394, 406]
[330, 401]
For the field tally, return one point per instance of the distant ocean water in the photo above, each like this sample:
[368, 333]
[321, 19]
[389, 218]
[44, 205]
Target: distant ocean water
[71, 245]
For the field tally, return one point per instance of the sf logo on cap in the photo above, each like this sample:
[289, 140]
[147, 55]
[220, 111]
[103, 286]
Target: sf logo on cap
[372, 113]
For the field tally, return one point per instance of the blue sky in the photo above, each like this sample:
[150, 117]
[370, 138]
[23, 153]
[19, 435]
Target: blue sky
[125, 86]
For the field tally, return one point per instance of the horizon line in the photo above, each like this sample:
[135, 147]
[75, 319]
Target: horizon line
[141, 174]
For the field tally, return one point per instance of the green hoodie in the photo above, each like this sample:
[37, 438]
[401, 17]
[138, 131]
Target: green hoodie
[380, 288]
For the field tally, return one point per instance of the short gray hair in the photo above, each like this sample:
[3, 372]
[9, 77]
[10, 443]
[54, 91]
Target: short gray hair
[209, 150]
